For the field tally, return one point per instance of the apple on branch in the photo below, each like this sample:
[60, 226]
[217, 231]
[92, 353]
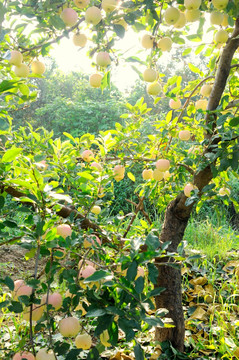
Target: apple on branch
[79, 39]
[16, 58]
[171, 15]
[220, 4]
[162, 164]
[165, 44]
[69, 327]
[93, 15]
[147, 41]
[181, 21]
[38, 67]
[150, 75]
[22, 70]
[109, 5]
[175, 104]
[192, 4]
[192, 15]
[69, 16]
[147, 174]
[83, 341]
[103, 59]
[154, 88]
[23, 355]
[184, 135]
[95, 80]
[206, 90]
[44, 354]
[81, 4]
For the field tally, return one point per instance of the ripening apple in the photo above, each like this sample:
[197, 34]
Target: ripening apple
[181, 21]
[157, 174]
[221, 36]
[165, 44]
[206, 90]
[171, 15]
[175, 104]
[109, 5]
[16, 58]
[216, 18]
[154, 88]
[87, 155]
[54, 299]
[119, 171]
[83, 341]
[96, 209]
[20, 288]
[43, 354]
[149, 75]
[37, 312]
[192, 15]
[96, 166]
[220, 4]
[87, 271]
[38, 67]
[69, 326]
[147, 41]
[103, 59]
[162, 164]
[184, 135]
[166, 175]
[187, 189]
[22, 70]
[104, 338]
[95, 80]
[23, 355]
[69, 16]
[79, 39]
[83, 263]
[192, 4]
[224, 191]
[64, 230]
[93, 15]
[201, 104]
[90, 240]
[81, 4]
[147, 174]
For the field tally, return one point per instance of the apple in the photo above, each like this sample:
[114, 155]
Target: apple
[119, 171]
[157, 174]
[162, 164]
[165, 44]
[69, 16]
[38, 67]
[69, 326]
[109, 5]
[187, 189]
[83, 341]
[181, 21]
[192, 15]
[96, 209]
[147, 41]
[37, 311]
[95, 80]
[16, 58]
[96, 166]
[224, 191]
[166, 175]
[20, 288]
[149, 75]
[171, 15]
[54, 299]
[104, 338]
[140, 272]
[206, 90]
[147, 174]
[225, 20]
[87, 155]
[43, 354]
[221, 36]
[87, 271]
[192, 4]
[83, 263]
[216, 18]
[93, 15]
[154, 88]
[90, 240]
[175, 104]
[79, 39]
[201, 104]
[184, 135]
[22, 70]
[103, 59]
[24, 355]
[220, 4]
[81, 4]
[64, 230]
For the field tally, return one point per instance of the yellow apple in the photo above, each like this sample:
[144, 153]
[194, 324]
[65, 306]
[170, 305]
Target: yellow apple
[184, 135]
[220, 4]
[147, 41]
[181, 21]
[96, 209]
[64, 230]
[149, 75]
[69, 16]
[175, 104]
[216, 18]
[206, 90]
[158, 174]
[187, 189]
[103, 59]
[165, 44]
[192, 4]
[22, 70]
[79, 39]
[93, 15]
[69, 326]
[147, 174]
[16, 58]
[192, 15]
[221, 36]
[95, 80]
[166, 175]
[96, 166]
[83, 341]
[119, 171]
[201, 104]
[109, 5]
[162, 164]
[171, 15]
[154, 88]
[38, 67]
[81, 4]
[43, 354]
[87, 155]
[37, 312]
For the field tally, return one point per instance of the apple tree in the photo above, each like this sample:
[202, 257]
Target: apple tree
[186, 158]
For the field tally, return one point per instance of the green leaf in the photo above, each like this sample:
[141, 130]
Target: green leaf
[131, 176]
[234, 122]
[15, 307]
[152, 241]
[96, 313]
[11, 154]
[155, 292]
[73, 354]
[93, 354]
[98, 275]
[186, 51]
[9, 282]
[138, 352]
[119, 30]
[139, 285]
[194, 69]
[132, 271]
[152, 273]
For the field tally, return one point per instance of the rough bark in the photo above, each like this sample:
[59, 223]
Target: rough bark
[178, 214]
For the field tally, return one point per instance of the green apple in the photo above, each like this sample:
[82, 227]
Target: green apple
[69, 16]
[103, 59]
[165, 44]
[192, 4]
[192, 15]
[83, 341]
[22, 70]
[81, 4]
[181, 21]
[216, 18]
[154, 88]
[221, 36]
[206, 90]
[220, 4]
[109, 5]
[149, 75]
[147, 41]
[16, 58]
[171, 15]
[93, 15]
[79, 39]
[38, 67]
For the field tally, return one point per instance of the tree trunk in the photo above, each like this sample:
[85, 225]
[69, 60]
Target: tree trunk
[177, 214]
